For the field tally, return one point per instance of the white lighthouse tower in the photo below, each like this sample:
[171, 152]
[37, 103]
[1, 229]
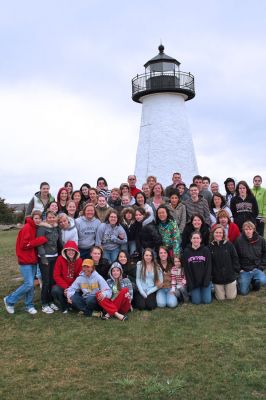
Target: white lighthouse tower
[165, 143]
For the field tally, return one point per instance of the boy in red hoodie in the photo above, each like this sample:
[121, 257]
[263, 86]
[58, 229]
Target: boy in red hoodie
[67, 268]
[26, 251]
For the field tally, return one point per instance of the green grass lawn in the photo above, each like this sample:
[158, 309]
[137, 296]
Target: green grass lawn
[215, 351]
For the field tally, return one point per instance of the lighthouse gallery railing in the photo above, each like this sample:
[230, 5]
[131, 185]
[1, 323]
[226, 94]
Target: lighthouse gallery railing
[182, 82]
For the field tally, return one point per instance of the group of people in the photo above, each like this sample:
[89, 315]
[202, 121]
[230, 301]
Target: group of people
[107, 251]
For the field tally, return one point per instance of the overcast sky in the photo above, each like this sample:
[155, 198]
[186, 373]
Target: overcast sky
[65, 87]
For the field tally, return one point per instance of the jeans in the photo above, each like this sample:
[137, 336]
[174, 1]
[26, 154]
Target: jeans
[84, 253]
[38, 272]
[245, 279]
[86, 304]
[201, 295]
[165, 298]
[111, 255]
[26, 289]
[182, 294]
[129, 247]
[59, 297]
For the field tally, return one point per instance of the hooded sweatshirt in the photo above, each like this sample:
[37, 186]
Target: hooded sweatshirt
[244, 210]
[26, 244]
[197, 267]
[108, 236]
[66, 271]
[87, 230]
[70, 233]
[89, 285]
[124, 282]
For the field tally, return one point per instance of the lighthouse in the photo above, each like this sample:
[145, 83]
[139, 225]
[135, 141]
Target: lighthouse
[165, 142]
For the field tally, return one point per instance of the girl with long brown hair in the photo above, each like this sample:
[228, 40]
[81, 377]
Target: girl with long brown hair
[149, 279]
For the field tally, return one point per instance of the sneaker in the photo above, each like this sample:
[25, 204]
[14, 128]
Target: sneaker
[96, 314]
[32, 310]
[65, 312]
[54, 307]
[47, 310]
[255, 285]
[9, 309]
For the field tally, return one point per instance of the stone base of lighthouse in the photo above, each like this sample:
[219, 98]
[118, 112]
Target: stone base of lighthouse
[165, 142]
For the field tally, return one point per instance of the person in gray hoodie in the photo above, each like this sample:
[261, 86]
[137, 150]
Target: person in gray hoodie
[87, 227]
[88, 289]
[68, 230]
[110, 236]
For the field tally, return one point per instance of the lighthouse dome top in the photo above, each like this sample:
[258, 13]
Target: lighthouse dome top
[161, 57]
[162, 74]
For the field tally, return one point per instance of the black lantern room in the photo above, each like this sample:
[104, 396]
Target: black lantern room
[162, 74]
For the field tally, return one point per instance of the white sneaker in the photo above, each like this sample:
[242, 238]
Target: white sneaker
[9, 309]
[65, 312]
[54, 307]
[32, 310]
[47, 310]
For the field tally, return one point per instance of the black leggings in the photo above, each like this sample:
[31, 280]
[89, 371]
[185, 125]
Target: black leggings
[148, 303]
[47, 272]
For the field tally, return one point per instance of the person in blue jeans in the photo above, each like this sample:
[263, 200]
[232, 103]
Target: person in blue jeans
[251, 250]
[110, 236]
[197, 266]
[165, 296]
[26, 252]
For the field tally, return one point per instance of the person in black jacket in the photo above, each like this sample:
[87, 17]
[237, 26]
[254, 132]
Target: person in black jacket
[225, 265]
[251, 249]
[101, 264]
[244, 206]
[130, 226]
[148, 234]
[196, 260]
[196, 224]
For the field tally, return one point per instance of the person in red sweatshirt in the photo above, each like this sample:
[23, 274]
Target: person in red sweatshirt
[26, 252]
[67, 268]
[132, 179]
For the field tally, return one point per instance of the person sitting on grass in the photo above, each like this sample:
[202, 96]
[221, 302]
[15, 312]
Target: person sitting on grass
[101, 264]
[178, 280]
[149, 279]
[225, 264]
[197, 266]
[67, 268]
[122, 294]
[165, 296]
[251, 250]
[26, 252]
[82, 293]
